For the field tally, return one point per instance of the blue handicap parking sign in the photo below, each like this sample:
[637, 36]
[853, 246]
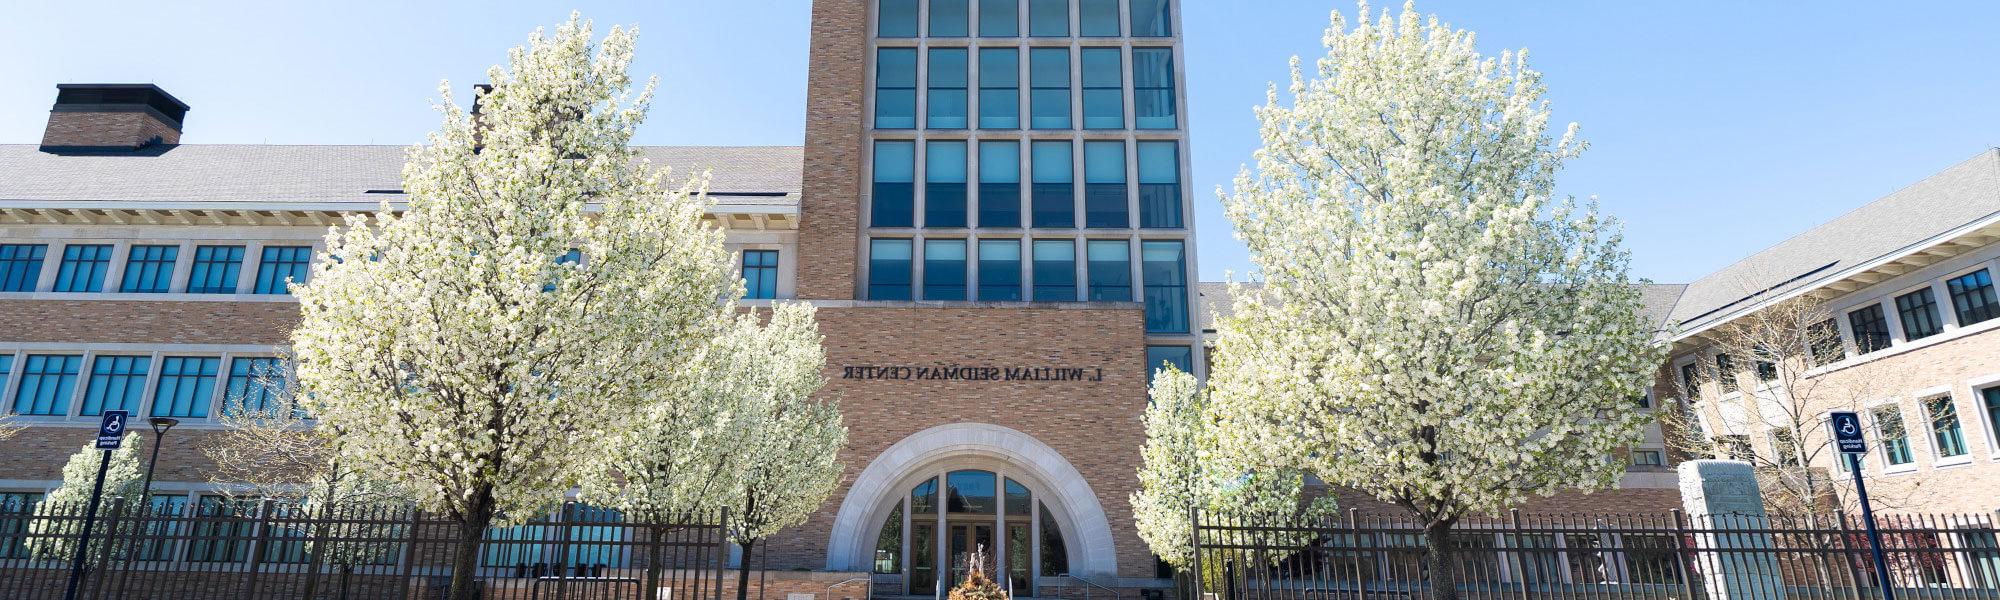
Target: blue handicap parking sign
[111, 431]
[1847, 432]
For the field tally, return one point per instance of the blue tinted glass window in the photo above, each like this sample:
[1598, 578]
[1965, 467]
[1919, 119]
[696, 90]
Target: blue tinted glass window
[1048, 18]
[1165, 274]
[281, 264]
[83, 267]
[889, 269]
[1055, 270]
[999, 270]
[1048, 94]
[760, 274]
[896, 88]
[999, 88]
[1159, 184]
[894, 196]
[1110, 270]
[1054, 198]
[1104, 202]
[944, 184]
[944, 269]
[256, 385]
[999, 184]
[1158, 357]
[948, 18]
[6, 371]
[1153, 88]
[215, 269]
[47, 382]
[896, 19]
[116, 383]
[149, 269]
[946, 107]
[999, 18]
[1097, 18]
[1973, 298]
[187, 386]
[21, 266]
[1152, 18]
[1103, 89]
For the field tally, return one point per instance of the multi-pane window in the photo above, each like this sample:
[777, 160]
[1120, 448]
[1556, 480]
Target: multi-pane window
[1871, 328]
[1725, 372]
[1104, 184]
[21, 266]
[116, 383]
[944, 184]
[282, 264]
[215, 269]
[896, 88]
[893, 197]
[999, 88]
[1737, 447]
[1152, 18]
[1164, 271]
[14, 531]
[1159, 184]
[944, 269]
[1048, 88]
[220, 538]
[999, 184]
[945, 108]
[1823, 339]
[6, 371]
[1785, 445]
[83, 267]
[948, 18]
[1894, 437]
[1990, 395]
[1055, 270]
[1000, 270]
[1153, 88]
[1048, 18]
[760, 274]
[1103, 88]
[1110, 270]
[999, 18]
[1766, 370]
[1946, 432]
[186, 387]
[896, 19]
[47, 382]
[888, 269]
[149, 269]
[1180, 357]
[1919, 313]
[1054, 191]
[256, 385]
[1691, 380]
[1648, 458]
[1973, 298]
[1097, 18]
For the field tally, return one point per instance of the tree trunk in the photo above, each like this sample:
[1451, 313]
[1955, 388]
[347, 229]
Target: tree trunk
[1444, 566]
[743, 572]
[471, 531]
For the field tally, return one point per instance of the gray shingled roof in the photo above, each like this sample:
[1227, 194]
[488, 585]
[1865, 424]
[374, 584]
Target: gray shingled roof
[202, 173]
[1656, 299]
[1961, 194]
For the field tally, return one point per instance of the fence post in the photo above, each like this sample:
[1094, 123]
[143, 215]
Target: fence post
[1194, 552]
[722, 552]
[316, 547]
[1354, 537]
[259, 531]
[1521, 558]
[410, 551]
[1683, 559]
[110, 546]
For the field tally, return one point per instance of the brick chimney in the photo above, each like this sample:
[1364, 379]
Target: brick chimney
[112, 116]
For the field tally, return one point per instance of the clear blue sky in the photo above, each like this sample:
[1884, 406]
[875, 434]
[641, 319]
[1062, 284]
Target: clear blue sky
[1718, 128]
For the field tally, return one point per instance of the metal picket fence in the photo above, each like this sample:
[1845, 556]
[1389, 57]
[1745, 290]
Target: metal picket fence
[1671, 556]
[270, 550]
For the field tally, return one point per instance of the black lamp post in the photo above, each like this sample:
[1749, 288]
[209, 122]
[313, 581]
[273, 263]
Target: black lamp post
[160, 427]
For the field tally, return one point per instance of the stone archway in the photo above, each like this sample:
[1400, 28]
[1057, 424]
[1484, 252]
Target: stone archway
[852, 541]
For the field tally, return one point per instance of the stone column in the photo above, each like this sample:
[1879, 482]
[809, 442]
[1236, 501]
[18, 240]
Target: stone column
[1723, 495]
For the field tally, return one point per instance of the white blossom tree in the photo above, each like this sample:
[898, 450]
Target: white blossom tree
[1436, 328]
[474, 347]
[1183, 472]
[55, 538]
[8, 427]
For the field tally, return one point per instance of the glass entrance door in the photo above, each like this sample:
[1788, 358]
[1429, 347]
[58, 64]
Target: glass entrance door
[967, 538]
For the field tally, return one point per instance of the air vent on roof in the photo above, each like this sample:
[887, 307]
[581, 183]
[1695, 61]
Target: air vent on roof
[384, 192]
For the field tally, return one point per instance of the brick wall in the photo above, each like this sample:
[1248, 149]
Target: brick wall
[108, 129]
[146, 322]
[830, 208]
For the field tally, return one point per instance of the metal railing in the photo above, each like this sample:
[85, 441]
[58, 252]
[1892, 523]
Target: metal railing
[1517, 557]
[259, 550]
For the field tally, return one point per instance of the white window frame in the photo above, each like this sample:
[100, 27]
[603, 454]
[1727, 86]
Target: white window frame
[1882, 449]
[1923, 398]
[1989, 423]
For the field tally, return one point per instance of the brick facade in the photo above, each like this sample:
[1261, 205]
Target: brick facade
[107, 129]
[147, 322]
[831, 205]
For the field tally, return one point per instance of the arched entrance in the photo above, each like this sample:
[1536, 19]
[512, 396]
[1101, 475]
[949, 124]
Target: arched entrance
[927, 501]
